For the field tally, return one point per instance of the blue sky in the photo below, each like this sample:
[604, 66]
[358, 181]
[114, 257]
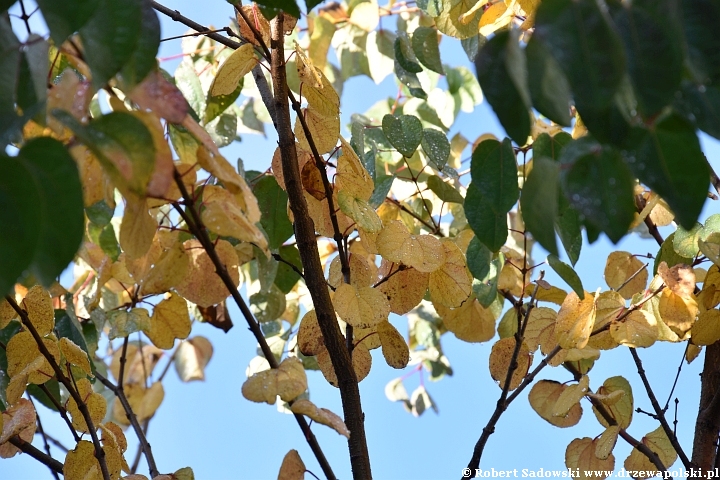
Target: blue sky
[210, 427]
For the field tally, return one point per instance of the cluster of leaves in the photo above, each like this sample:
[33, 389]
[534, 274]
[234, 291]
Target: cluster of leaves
[397, 229]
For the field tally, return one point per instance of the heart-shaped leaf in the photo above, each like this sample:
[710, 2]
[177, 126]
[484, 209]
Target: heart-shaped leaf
[404, 133]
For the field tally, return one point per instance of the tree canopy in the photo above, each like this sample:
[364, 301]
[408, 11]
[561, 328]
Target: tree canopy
[388, 230]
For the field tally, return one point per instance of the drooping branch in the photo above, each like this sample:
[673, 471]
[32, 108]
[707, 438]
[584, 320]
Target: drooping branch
[191, 216]
[660, 413]
[314, 277]
[82, 406]
[132, 418]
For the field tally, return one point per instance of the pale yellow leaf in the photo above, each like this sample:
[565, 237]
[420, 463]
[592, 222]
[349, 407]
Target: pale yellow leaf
[540, 329]
[580, 456]
[95, 403]
[404, 288]
[360, 211]
[639, 329]
[291, 379]
[706, 330]
[620, 266]
[170, 320]
[39, 307]
[500, 361]
[659, 443]
[81, 463]
[192, 357]
[470, 322]
[233, 69]
[137, 229]
[620, 409]
[324, 131]
[362, 274]
[606, 442]
[352, 177]
[677, 312]
[224, 215]
[320, 415]
[361, 307]
[22, 351]
[309, 337]
[394, 348]
[575, 320]
[543, 397]
[570, 397]
[75, 355]
[451, 284]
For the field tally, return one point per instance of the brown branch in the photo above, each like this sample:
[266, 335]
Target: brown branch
[196, 226]
[314, 277]
[54, 465]
[660, 413]
[82, 406]
[652, 228]
[503, 403]
[147, 449]
[61, 410]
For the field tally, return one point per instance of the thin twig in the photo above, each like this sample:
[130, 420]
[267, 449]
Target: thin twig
[147, 449]
[62, 410]
[82, 406]
[660, 413]
[677, 376]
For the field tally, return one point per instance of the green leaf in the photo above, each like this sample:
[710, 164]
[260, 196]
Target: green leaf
[668, 254]
[436, 146]
[248, 117]
[52, 386]
[425, 46]
[186, 79]
[5, 5]
[404, 54]
[685, 243]
[448, 19]
[65, 18]
[700, 19]
[599, 186]
[273, 204]
[100, 213]
[269, 305]
[431, 7]
[654, 54]
[9, 68]
[669, 160]
[404, 133]
[578, 34]
[568, 227]
[494, 174]
[21, 215]
[547, 83]
[539, 202]
[485, 289]
[701, 104]
[479, 259]
[410, 80]
[464, 87]
[490, 227]
[122, 144]
[110, 36]
[381, 54]
[143, 60]
[503, 78]
[444, 191]
[286, 277]
[32, 82]
[62, 221]
[107, 240]
[70, 328]
[287, 6]
[550, 147]
[567, 273]
[472, 46]
[223, 129]
[382, 188]
[709, 239]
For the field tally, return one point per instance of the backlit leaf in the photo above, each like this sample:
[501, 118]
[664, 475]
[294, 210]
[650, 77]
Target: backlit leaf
[170, 320]
[191, 358]
[361, 307]
[639, 329]
[202, 285]
[658, 442]
[500, 361]
[620, 266]
[404, 133]
[394, 348]
[95, 403]
[539, 202]
[451, 284]
[580, 455]
[575, 321]
[320, 415]
[543, 397]
[470, 322]
[619, 409]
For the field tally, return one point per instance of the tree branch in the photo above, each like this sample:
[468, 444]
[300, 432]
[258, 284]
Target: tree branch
[660, 413]
[82, 406]
[54, 465]
[195, 225]
[120, 394]
[314, 277]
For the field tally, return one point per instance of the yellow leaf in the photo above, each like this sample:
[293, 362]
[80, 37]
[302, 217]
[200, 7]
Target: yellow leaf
[706, 330]
[114, 444]
[553, 295]
[253, 14]
[511, 278]
[692, 352]
[75, 355]
[307, 73]
[394, 348]
[404, 288]
[570, 397]
[365, 16]
[361, 307]
[292, 467]
[320, 415]
[202, 285]
[394, 243]
[319, 211]
[191, 358]
[360, 211]
[575, 320]
[540, 329]
[543, 397]
[580, 455]
[368, 337]
[361, 359]
[223, 215]
[233, 69]
[619, 268]
[659, 443]
[170, 320]
[303, 158]
[352, 177]
[22, 351]
[39, 307]
[500, 358]
[495, 18]
[709, 297]
[639, 329]
[7, 313]
[362, 274]
[162, 174]
[609, 305]
[323, 100]
[139, 363]
[137, 229]
[433, 253]
[470, 322]
[18, 419]
[143, 401]
[451, 284]
[123, 323]
[309, 337]
[96, 405]
[18, 382]
[606, 442]
[288, 381]
[81, 462]
[449, 21]
[677, 312]
[324, 131]
[169, 270]
[620, 409]
[680, 279]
